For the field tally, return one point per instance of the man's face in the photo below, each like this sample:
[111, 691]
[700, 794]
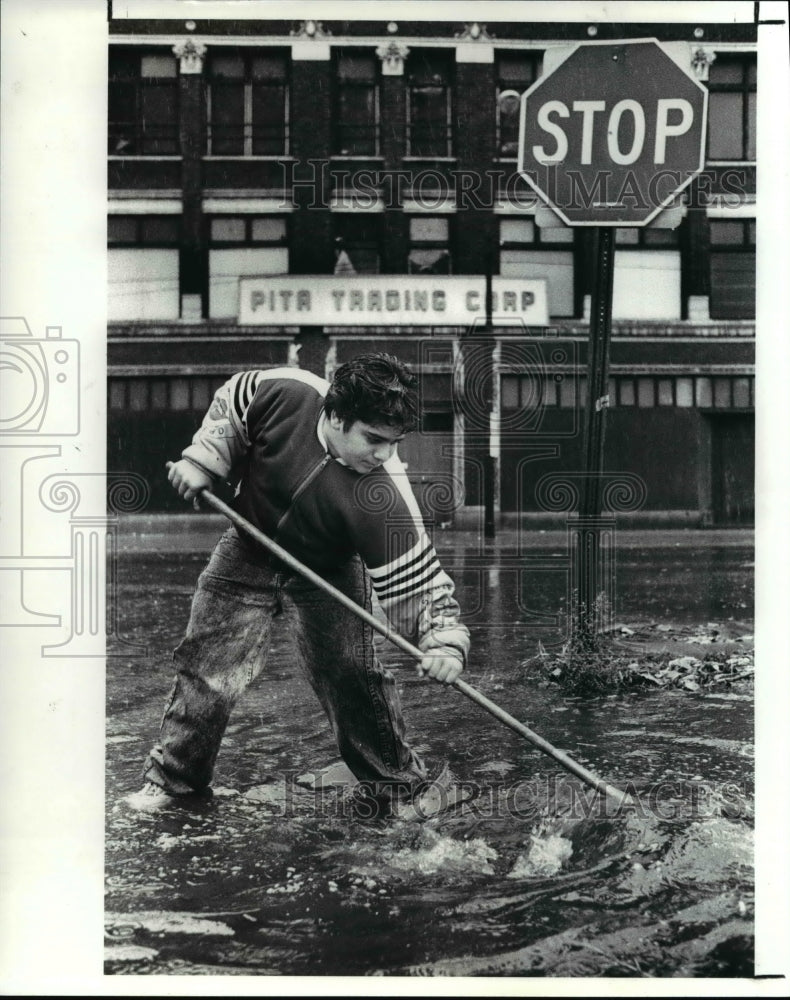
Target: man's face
[363, 447]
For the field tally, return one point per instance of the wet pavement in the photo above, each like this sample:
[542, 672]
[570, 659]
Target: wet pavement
[534, 876]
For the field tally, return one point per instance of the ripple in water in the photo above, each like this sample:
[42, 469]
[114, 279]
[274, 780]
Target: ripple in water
[709, 853]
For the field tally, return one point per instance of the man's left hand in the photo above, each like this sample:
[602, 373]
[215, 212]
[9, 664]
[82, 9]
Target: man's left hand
[440, 666]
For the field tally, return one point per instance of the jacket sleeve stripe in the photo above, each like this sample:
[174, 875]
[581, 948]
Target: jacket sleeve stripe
[396, 579]
[413, 585]
[237, 407]
[251, 389]
[420, 565]
[383, 574]
[245, 385]
[408, 571]
[247, 392]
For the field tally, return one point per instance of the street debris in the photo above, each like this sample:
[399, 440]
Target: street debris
[696, 659]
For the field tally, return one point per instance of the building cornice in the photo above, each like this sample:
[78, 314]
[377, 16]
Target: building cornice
[450, 32]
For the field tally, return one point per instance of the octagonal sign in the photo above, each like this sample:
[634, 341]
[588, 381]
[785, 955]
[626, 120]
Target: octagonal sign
[612, 135]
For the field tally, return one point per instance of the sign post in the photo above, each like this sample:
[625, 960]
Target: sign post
[489, 468]
[607, 139]
[590, 575]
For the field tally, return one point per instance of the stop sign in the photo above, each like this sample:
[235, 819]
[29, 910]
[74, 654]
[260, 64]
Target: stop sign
[613, 133]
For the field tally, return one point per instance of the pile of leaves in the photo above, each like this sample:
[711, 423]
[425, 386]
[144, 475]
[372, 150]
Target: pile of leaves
[631, 658]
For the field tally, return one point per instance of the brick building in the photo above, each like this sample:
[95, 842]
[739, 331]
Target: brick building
[248, 157]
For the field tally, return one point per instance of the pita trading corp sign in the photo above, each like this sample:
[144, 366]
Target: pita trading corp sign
[611, 135]
[389, 300]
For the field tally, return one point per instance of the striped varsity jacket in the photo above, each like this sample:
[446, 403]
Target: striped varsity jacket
[266, 429]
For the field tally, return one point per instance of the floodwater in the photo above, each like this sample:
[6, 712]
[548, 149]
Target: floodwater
[533, 876]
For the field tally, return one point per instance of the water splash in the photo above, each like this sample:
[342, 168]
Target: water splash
[436, 852]
[545, 857]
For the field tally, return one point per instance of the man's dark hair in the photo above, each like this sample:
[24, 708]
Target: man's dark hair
[376, 389]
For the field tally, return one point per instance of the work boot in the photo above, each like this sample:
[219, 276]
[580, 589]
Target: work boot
[431, 798]
[152, 798]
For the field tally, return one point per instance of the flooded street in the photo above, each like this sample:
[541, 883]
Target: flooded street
[532, 876]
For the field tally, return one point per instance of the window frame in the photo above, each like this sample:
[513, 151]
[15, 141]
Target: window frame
[542, 245]
[437, 414]
[414, 85]
[431, 244]
[647, 238]
[747, 245]
[502, 84]
[141, 240]
[744, 87]
[538, 241]
[248, 83]
[349, 242]
[249, 240]
[138, 84]
[341, 86]
[665, 292]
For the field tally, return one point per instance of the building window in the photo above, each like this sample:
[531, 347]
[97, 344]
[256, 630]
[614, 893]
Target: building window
[429, 245]
[429, 108]
[142, 104]
[685, 392]
[527, 251]
[646, 274]
[143, 230]
[252, 230]
[248, 103]
[142, 267]
[242, 246]
[732, 268]
[356, 103]
[515, 72]
[732, 108]
[357, 243]
[163, 395]
[436, 404]
[645, 237]
[527, 395]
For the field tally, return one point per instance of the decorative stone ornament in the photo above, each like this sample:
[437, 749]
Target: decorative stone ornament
[473, 32]
[392, 56]
[190, 55]
[311, 29]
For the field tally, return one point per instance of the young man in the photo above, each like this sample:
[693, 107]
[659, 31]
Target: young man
[318, 472]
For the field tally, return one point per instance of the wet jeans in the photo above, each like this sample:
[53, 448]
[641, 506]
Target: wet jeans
[225, 649]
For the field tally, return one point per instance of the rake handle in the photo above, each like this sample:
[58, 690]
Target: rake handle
[620, 797]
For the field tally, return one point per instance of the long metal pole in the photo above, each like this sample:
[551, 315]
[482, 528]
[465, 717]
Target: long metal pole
[588, 538]
[489, 468]
[617, 796]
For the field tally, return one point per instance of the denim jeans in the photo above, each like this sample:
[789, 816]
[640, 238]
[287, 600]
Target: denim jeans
[225, 649]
